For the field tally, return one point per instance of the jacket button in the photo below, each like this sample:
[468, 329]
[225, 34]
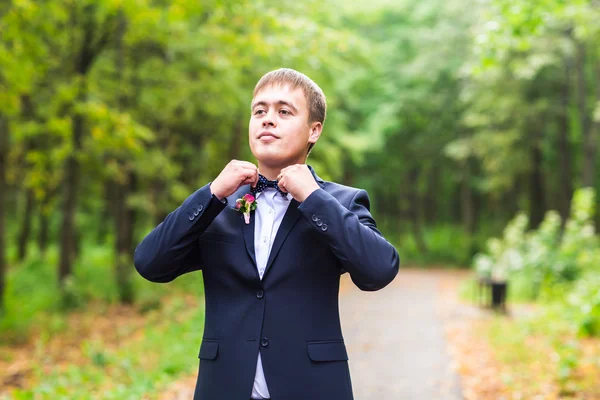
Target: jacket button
[260, 294]
[196, 213]
[200, 208]
[315, 218]
[191, 217]
[319, 223]
[264, 342]
[324, 227]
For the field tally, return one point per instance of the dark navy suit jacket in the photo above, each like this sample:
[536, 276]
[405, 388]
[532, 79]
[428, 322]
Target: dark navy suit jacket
[292, 315]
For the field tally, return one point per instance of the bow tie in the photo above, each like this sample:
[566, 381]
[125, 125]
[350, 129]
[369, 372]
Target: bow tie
[264, 183]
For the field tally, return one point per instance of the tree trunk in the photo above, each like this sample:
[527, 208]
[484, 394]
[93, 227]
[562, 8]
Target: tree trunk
[467, 200]
[4, 143]
[564, 151]
[94, 38]
[537, 203]
[589, 145]
[43, 233]
[414, 210]
[432, 195]
[456, 215]
[28, 114]
[25, 225]
[71, 185]
[125, 225]
[595, 131]
[108, 211]
[158, 187]
[124, 214]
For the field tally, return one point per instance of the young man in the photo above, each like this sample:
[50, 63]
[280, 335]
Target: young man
[271, 278]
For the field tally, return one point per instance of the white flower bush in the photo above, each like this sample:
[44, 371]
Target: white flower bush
[543, 255]
[565, 263]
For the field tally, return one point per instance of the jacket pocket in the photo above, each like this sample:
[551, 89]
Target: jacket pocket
[327, 351]
[209, 350]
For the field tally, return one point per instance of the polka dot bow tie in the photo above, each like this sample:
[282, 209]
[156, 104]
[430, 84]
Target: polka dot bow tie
[264, 183]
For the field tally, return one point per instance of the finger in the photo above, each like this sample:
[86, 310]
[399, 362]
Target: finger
[285, 170]
[246, 164]
[255, 181]
[247, 180]
[282, 174]
[281, 184]
[248, 176]
[247, 171]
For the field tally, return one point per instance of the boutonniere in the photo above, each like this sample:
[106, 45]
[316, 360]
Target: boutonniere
[245, 205]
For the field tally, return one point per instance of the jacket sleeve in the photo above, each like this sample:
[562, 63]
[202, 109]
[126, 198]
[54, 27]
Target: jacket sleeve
[352, 235]
[171, 249]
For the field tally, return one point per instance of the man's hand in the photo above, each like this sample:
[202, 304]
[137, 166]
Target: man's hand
[235, 174]
[298, 181]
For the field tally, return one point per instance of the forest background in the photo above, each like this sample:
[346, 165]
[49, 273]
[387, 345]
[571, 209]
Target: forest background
[455, 116]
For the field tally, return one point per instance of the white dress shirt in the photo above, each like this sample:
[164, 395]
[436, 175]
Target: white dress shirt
[270, 209]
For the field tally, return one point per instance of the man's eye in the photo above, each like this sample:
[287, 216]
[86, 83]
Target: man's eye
[285, 112]
[258, 112]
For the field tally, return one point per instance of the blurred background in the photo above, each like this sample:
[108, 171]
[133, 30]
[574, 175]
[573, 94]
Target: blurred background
[473, 126]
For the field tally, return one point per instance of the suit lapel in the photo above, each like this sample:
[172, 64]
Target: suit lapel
[247, 229]
[289, 220]
[249, 236]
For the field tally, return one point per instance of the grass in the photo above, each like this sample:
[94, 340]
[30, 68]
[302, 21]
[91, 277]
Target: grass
[87, 350]
[140, 367]
[541, 356]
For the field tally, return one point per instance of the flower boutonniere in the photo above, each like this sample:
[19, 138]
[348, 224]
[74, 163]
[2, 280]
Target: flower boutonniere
[245, 205]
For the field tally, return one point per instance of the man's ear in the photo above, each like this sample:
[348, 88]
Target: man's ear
[315, 132]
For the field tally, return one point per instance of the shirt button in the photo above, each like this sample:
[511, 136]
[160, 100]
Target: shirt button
[264, 342]
[260, 294]
[264, 239]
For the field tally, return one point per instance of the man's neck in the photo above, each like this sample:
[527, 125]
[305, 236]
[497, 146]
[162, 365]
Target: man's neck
[271, 172]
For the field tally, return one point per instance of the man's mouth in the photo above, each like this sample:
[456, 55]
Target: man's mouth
[267, 135]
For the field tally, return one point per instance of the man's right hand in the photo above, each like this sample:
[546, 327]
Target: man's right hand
[235, 174]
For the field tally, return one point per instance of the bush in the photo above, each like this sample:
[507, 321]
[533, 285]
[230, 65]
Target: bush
[542, 264]
[446, 244]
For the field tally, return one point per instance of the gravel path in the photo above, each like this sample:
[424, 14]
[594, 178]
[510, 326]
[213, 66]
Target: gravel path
[395, 339]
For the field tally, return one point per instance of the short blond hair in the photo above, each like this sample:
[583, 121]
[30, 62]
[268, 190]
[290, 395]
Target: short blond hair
[315, 98]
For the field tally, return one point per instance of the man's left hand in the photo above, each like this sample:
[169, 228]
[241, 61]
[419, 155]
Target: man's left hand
[298, 181]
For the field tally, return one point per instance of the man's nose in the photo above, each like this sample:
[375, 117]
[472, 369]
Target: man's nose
[268, 122]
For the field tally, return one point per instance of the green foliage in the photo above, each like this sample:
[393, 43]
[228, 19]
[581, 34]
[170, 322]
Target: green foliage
[126, 372]
[452, 115]
[544, 254]
[559, 269]
[34, 299]
[446, 245]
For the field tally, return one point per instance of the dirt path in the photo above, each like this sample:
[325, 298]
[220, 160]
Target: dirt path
[395, 338]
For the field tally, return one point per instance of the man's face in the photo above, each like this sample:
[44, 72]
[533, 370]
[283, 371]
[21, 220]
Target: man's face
[279, 131]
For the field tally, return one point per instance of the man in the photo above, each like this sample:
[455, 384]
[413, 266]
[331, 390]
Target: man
[271, 278]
